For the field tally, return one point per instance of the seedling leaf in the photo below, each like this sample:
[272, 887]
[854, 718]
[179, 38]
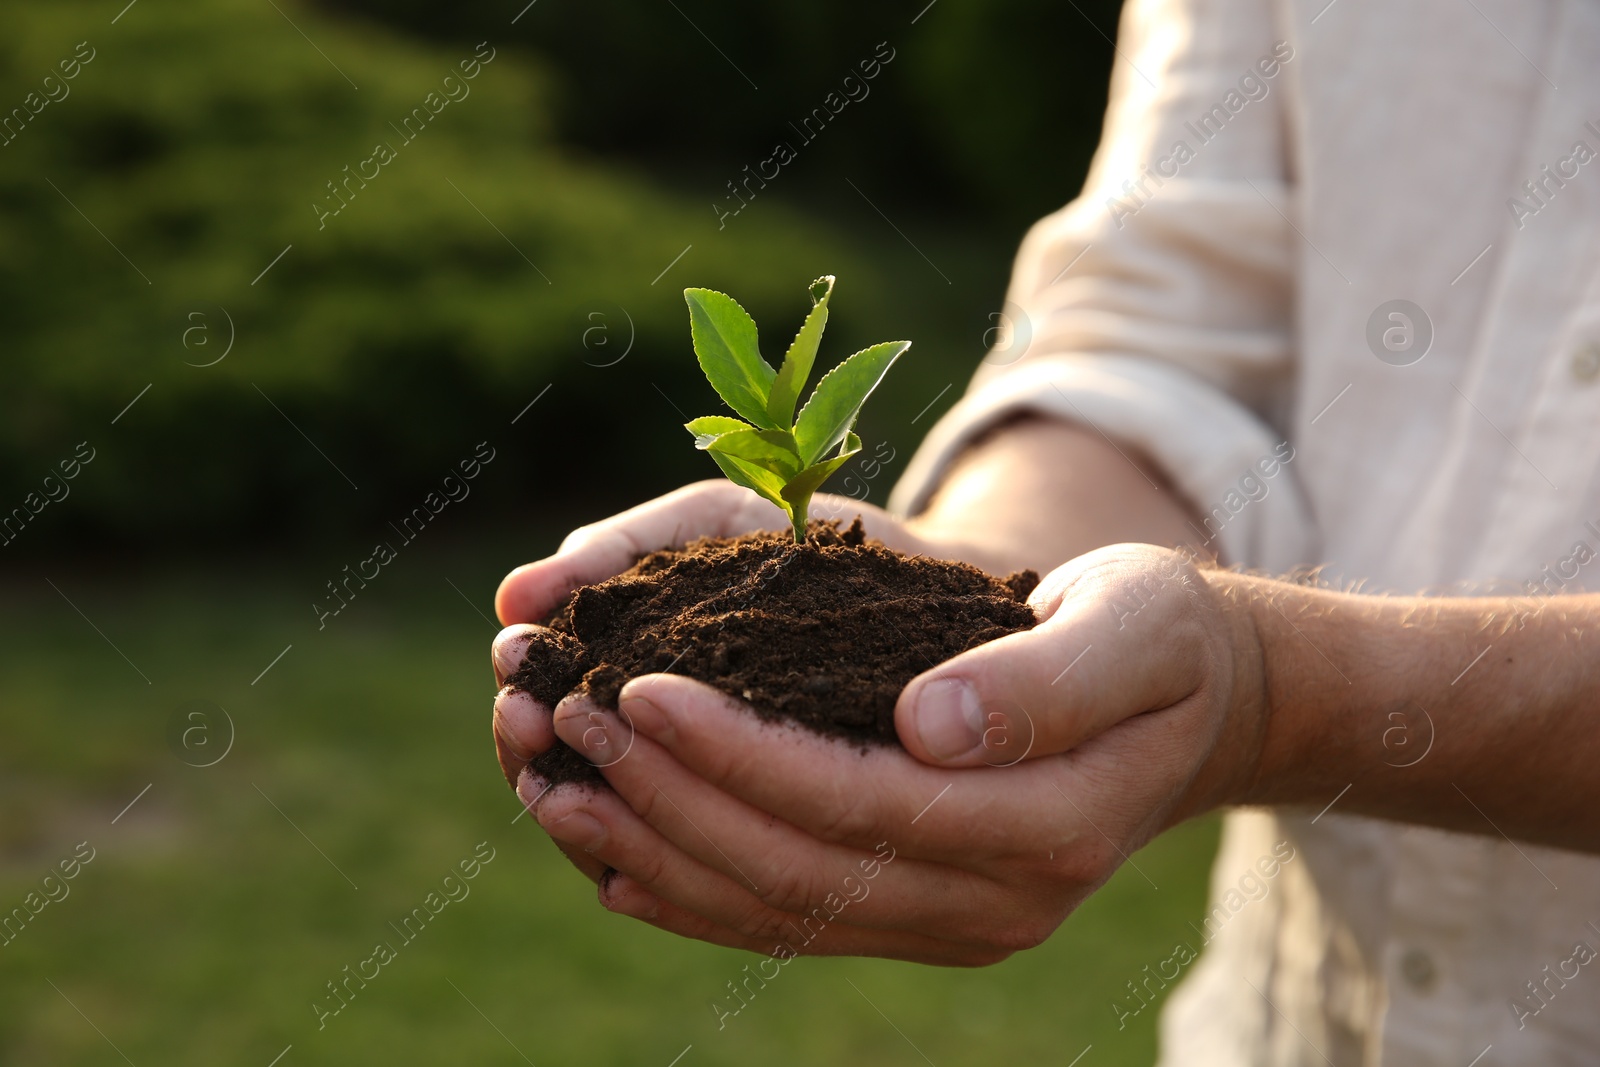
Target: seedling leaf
[765, 484]
[771, 450]
[832, 409]
[781, 464]
[725, 343]
[802, 485]
[799, 488]
[708, 428]
[802, 354]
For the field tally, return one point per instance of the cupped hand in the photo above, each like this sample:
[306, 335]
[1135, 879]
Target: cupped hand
[590, 554]
[1033, 766]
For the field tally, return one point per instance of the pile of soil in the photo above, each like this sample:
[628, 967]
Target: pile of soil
[824, 634]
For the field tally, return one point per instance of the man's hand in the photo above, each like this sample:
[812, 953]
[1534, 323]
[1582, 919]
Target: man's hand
[522, 727]
[1031, 495]
[1036, 764]
[594, 553]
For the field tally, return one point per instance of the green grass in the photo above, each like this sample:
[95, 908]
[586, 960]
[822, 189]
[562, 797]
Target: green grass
[207, 924]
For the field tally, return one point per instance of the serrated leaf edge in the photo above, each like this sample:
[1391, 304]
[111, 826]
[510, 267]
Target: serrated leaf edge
[904, 346]
[765, 391]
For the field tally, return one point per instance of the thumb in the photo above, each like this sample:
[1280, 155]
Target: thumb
[1120, 635]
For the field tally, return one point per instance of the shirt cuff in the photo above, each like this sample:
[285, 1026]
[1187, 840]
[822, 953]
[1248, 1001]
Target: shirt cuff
[1235, 470]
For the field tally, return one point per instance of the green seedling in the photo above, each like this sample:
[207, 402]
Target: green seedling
[782, 457]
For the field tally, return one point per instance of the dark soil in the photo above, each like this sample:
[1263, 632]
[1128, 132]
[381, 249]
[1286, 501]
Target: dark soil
[824, 634]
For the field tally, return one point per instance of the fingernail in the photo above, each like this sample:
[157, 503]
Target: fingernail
[579, 829]
[949, 720]
[531, 788]
[645, 715]
[630, 899]
[509, 647]
[514, 720]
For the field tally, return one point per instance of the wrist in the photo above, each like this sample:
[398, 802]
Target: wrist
[1232, 774]
[1305, 639]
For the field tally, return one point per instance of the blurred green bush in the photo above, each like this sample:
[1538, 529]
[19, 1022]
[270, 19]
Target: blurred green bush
[990, 112]
[521, 240]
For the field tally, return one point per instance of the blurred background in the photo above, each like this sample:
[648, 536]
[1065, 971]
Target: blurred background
[240, 349]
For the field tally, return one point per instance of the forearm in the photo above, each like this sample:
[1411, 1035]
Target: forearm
[1481, 715]
[1039, 491]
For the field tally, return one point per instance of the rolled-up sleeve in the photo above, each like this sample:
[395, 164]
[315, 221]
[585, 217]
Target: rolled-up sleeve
[1156, 308]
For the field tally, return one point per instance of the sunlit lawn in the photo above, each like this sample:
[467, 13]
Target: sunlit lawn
[218, 906]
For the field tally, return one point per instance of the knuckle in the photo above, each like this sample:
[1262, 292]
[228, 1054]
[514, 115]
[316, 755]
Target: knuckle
[649, 869]
[850, 815]
[720, 763]
[578, 538]
[759, 922]
[792, 889]
[647, 805]
[849, 822]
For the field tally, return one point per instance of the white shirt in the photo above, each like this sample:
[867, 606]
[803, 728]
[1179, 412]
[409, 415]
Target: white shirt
[1238, 296]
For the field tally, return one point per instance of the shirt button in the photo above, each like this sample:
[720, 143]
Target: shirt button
[1586, 362]
[1416, 966]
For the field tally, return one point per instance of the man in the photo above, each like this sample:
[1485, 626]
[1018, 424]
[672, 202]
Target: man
[1331, 295]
